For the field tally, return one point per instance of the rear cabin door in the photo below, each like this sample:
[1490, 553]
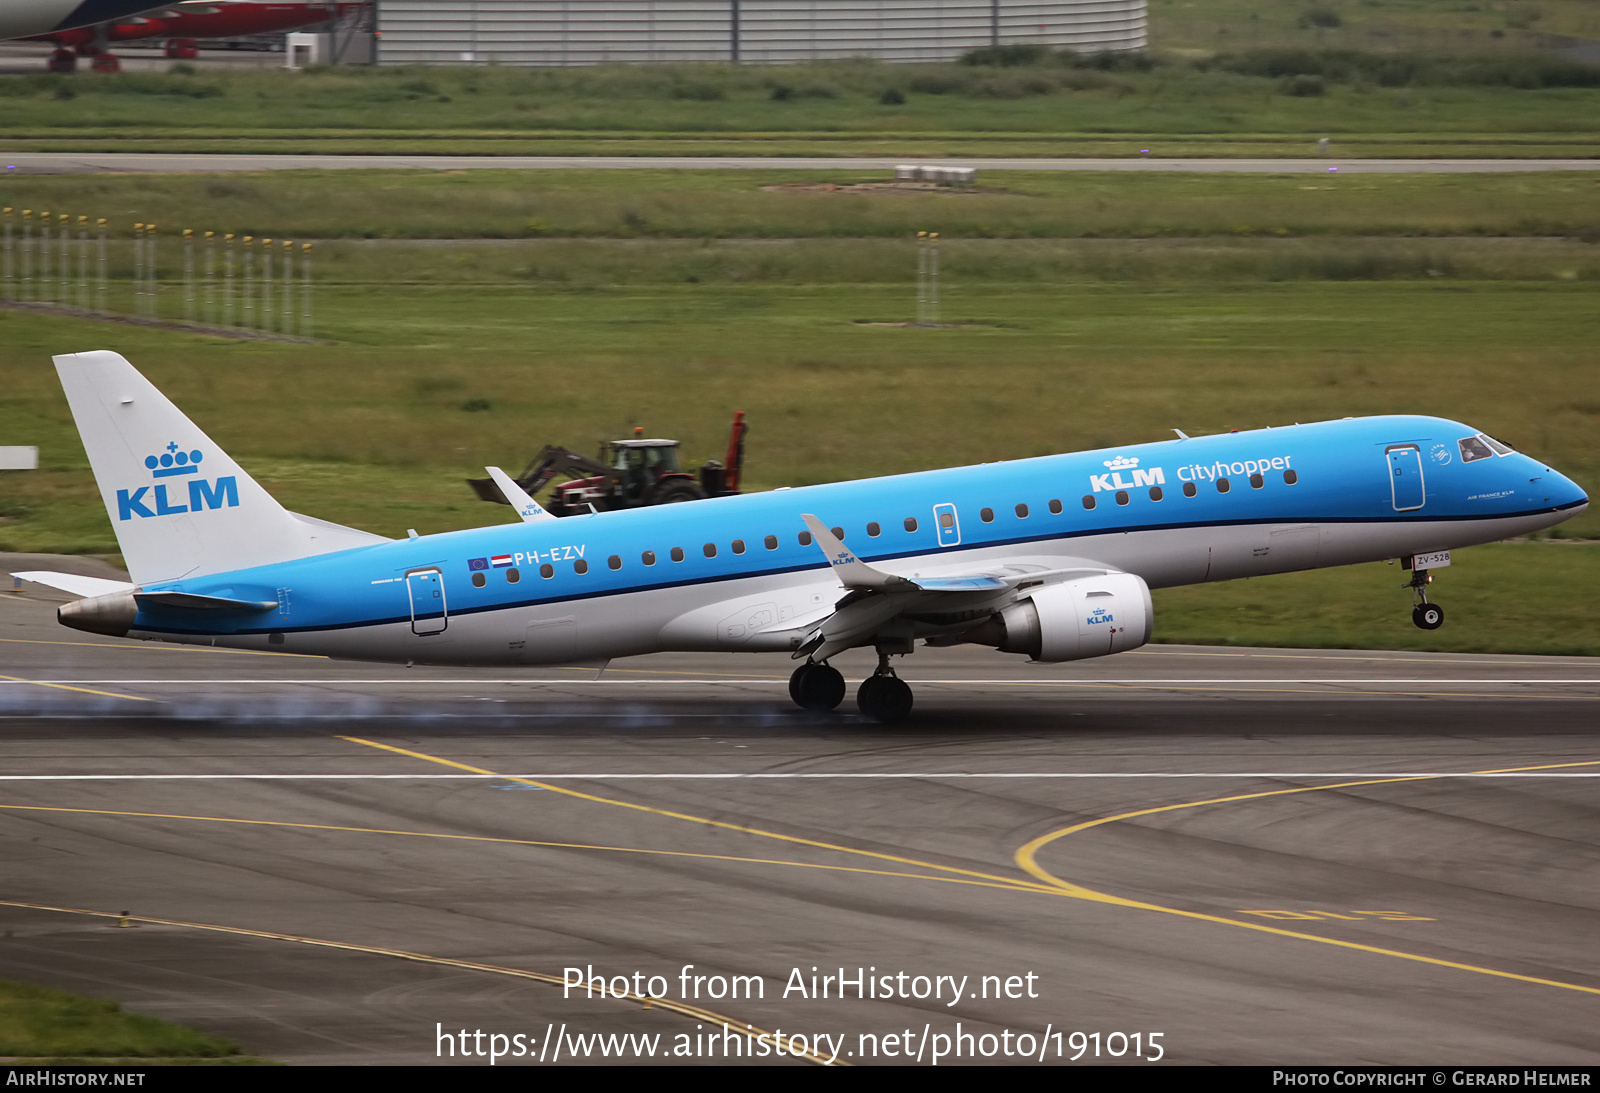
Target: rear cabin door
[948, 524]
[428, 611]
[1405, 477]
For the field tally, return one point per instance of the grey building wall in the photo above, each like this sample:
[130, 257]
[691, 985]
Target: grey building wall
[587, 32]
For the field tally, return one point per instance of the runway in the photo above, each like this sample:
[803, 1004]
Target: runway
[1207, 855]
[55, 163]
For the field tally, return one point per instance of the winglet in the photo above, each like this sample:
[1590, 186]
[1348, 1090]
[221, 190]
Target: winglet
[852, 571]
[527, 508]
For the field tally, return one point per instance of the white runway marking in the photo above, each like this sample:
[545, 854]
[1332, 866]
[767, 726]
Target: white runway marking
[814, 776]
[776, 680]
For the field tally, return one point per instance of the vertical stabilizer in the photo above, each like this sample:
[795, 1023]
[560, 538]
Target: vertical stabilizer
[180, 506]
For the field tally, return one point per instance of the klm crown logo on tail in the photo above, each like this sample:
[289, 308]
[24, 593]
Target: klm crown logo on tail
[203, 494]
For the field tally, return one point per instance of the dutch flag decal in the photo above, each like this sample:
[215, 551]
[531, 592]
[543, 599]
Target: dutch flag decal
[500, 561]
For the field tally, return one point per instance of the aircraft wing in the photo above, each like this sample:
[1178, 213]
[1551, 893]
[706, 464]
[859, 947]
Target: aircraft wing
[877, 601]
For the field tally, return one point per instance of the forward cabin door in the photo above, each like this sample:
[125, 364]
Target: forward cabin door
[1405, 477]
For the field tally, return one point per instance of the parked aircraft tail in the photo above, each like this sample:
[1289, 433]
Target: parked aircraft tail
[180, 506]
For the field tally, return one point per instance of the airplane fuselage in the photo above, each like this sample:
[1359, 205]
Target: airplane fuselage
[742, 574]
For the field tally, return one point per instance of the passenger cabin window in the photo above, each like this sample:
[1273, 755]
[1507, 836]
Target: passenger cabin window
[710, 550]
[648, 557]
[1473, 449]
[738, 546]
[874, 530]
[580, 567]
[911, 523]
[1291, 477]
[1156, 494]
[1088, 500]
[986, 515]
[677, 554]
[512, 576]
[1223, 486]
[615, 561]
[771, 542]
[1189, 488]
[1256, 481]
[479, 580]
[1055, 507]
[1122, 497]
[547, 571]
[1022, 512]
[805, 538]
[838, 533]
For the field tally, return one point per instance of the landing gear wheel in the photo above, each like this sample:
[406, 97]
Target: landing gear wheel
[1429, 616]
[885, 699]
[816, 687]
[106, 62]
[62, 61]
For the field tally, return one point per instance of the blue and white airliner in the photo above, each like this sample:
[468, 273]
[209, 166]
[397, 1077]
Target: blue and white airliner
[1052, 558]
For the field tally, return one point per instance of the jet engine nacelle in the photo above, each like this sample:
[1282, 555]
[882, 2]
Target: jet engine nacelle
[1074, 620]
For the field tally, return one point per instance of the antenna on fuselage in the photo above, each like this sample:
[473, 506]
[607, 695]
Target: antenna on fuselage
[1181, 434]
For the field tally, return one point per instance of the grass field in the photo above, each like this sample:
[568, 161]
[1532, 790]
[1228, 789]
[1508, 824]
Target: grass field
[1082, 312]
[717, 204]
[1449, 92]
[40, 1025]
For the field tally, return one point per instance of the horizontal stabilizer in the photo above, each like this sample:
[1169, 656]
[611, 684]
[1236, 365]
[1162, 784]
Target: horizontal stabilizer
[77, 585]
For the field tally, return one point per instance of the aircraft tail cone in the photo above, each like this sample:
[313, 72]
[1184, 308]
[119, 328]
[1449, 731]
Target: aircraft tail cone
[111, 614]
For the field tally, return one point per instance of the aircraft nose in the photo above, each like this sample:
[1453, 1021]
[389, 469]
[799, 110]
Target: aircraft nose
[1565, 493]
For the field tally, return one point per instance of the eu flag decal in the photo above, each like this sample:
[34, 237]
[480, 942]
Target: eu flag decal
[477, 563]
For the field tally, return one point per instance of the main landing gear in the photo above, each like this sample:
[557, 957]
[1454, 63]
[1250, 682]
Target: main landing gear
[816, 686]
[883, 696]
[1428, 616]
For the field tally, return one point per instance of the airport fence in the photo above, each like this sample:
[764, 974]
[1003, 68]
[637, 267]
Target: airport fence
[216, 281]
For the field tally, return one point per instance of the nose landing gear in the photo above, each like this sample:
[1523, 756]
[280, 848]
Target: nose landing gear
[1428, 616]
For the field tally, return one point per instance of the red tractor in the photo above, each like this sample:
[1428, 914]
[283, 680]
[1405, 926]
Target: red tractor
[628, 474]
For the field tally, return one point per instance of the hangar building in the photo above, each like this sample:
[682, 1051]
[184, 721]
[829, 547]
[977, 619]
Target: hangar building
[588, 32]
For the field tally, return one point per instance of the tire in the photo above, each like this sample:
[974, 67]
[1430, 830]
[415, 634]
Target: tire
[884, 699]
[676, 491]
[1428, 616]
[816, 687]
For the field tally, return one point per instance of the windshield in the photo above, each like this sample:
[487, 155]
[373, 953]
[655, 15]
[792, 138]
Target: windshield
[1473, 448]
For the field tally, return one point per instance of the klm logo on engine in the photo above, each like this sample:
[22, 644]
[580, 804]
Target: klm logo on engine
[156, 500]
[1112, 479]
[1099, 615]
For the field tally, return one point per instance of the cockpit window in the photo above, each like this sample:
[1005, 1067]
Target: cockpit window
[1500, 449]
[1473, 448]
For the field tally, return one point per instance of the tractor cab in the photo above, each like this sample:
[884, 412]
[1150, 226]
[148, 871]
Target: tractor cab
[641, 464]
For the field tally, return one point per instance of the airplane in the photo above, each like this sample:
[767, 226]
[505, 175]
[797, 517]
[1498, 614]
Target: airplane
[1052, 558]
[183, 22]
[20, 18]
